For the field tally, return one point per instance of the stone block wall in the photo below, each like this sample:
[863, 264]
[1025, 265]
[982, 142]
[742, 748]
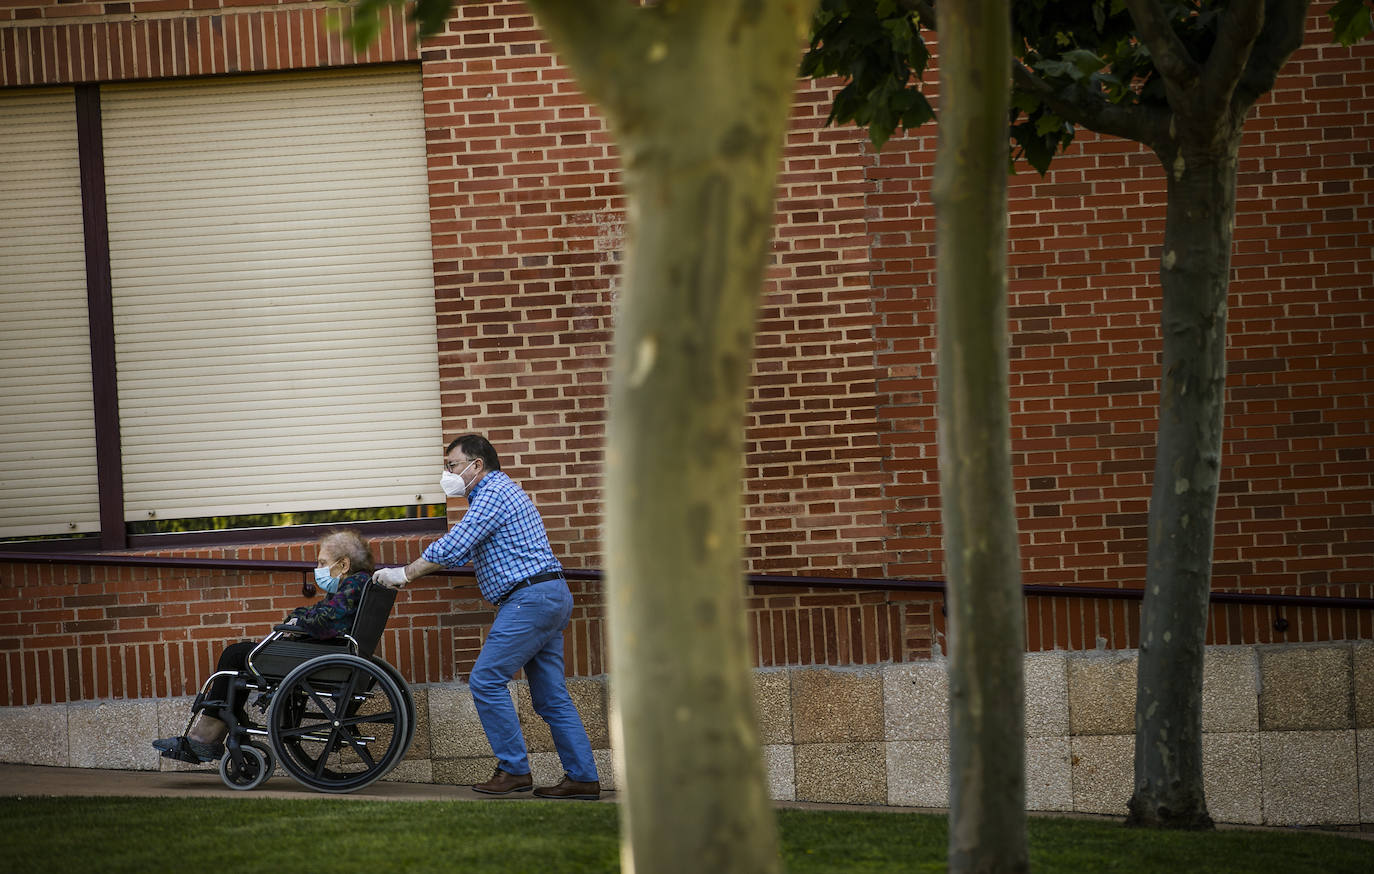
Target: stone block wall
[1288, 733]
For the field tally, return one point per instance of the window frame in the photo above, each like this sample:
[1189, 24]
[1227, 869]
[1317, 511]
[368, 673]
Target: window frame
[114, 533]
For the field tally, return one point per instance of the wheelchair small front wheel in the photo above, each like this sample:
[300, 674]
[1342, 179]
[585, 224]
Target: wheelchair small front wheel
[256, 768]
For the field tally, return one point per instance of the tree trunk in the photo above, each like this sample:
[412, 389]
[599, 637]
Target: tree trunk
[698, 96]
[986, 615]
[1195, 271]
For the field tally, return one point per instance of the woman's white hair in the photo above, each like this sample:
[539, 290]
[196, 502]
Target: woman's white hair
[347, 543]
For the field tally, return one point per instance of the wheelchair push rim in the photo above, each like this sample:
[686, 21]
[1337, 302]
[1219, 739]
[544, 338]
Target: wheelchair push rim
[338, 723]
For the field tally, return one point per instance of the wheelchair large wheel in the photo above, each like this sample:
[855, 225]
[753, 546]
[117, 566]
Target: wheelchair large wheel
[256, 768]
[401, 684]
[338, 723]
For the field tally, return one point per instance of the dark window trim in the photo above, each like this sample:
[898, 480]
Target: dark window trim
[95, 226]
[78, 543]
[286, 533]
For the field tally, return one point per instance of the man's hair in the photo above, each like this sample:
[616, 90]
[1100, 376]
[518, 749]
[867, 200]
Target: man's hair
[349, 544]
[476, 446]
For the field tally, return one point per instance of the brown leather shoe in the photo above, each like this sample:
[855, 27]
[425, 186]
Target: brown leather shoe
[502, 783]
[570, 788]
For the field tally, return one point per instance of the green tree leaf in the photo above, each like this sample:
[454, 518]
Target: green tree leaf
[1351, 21]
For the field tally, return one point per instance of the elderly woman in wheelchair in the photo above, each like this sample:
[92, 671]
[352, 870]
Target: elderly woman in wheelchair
[334, 715]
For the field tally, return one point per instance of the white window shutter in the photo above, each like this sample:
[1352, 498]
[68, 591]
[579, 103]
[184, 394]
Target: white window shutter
[273, 294]
[47, 419]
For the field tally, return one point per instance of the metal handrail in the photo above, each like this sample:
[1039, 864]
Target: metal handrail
[870, 583]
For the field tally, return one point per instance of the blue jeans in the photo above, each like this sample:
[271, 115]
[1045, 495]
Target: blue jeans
[528, 633]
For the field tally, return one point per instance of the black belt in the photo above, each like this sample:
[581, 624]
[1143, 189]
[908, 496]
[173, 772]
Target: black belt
[547, 576]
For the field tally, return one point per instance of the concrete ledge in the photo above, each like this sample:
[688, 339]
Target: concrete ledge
[1230, 689]
[879, 735]
[1232, 777]
[837, 705]
[1049, 773]
[1364, 760]
[463, 771]
[1364, 685]
[455, 731]
[1309, 777]
[773, 706]
[1102, 693]
[99, 733]
[842, 773]
[35, 735]
[412, 771]
[420, 745]
[589, 697]
[1103, 768]
[1307, 688]
[916, 701]
[1047, 694]
[781, 772]
[918, 773]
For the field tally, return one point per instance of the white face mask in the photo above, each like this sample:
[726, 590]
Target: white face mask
[453, 484]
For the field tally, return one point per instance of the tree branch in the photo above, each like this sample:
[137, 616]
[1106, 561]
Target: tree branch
[1168, 52]
[1282, 34]
[1240, 25]
[1080, 106]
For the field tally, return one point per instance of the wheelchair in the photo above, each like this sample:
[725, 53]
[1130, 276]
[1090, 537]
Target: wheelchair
[334, 715]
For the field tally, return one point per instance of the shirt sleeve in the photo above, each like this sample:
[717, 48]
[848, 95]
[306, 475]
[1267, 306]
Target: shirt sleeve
[454, 549]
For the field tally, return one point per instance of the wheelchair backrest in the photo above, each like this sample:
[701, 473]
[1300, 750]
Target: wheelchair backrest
[374, 609]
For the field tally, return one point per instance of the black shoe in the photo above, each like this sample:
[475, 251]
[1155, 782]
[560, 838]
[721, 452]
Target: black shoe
[185, 749]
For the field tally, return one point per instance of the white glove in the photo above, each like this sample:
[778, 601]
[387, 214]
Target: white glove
[391, 577]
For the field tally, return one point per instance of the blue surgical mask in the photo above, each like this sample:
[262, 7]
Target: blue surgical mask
[325, 581]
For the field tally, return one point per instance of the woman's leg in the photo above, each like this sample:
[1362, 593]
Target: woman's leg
[211, 727]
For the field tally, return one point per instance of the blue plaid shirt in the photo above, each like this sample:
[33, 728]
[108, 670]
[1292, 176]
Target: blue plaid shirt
[501, 534]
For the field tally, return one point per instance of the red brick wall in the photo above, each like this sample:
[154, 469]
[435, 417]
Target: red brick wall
[1296, 512]
[841, 473]
[49, 42]
[528, 221]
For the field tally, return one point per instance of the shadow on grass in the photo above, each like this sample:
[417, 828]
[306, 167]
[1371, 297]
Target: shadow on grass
[341, 836]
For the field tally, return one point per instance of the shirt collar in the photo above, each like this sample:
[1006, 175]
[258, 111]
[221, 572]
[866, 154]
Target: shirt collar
[481, 483]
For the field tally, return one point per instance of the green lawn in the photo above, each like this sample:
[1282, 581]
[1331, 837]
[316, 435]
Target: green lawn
[343, 835]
